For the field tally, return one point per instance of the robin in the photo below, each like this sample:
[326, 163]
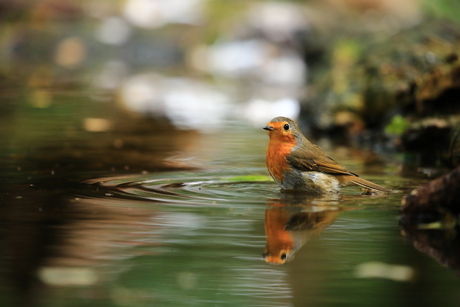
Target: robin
[298, 165]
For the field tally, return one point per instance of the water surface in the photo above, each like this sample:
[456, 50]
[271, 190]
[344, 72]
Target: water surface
[144, 214]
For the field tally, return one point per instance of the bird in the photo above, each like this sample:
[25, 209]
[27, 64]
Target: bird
[298, 165]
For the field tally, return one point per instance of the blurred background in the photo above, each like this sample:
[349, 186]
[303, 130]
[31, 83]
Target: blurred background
[160, 89]
[355, 70]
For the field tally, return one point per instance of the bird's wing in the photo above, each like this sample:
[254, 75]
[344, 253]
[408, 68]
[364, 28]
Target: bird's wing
[312, 158]
[315, 160]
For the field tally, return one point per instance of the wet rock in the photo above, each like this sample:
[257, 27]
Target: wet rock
[429, 219]
[434, 198]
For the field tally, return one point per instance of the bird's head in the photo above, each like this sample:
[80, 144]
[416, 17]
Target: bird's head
[283, 129]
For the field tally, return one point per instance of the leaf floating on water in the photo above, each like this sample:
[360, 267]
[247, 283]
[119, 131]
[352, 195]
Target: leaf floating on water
[255, 178]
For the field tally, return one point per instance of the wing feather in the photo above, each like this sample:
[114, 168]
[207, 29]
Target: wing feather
[315, 160]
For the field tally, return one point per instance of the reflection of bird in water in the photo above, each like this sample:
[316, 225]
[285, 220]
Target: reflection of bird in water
[288, 228]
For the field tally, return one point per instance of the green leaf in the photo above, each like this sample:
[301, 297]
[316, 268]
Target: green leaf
[251, 178]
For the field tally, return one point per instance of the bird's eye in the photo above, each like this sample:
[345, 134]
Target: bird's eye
[286, 127]
[283, 256]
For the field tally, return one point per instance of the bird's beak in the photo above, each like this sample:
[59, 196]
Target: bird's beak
[269, 128]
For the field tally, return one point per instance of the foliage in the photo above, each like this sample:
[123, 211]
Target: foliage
[397, 126]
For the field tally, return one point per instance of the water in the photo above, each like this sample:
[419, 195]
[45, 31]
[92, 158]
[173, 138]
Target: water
[143, 214]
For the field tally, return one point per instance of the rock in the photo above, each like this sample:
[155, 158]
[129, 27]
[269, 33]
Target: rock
[433, 199]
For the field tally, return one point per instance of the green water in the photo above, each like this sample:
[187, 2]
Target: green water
[143, 214]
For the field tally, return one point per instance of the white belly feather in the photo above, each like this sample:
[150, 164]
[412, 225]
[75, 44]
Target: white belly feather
[321, 182]
[312, 182]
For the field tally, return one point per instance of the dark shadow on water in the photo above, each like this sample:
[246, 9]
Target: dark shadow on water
[26, 233]
[51, 237]
[436, 234]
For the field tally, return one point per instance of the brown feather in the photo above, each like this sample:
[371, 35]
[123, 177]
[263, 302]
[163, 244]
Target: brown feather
[309, 157]
[367, 184]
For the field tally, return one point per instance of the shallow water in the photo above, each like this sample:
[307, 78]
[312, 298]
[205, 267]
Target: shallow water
[144, 214]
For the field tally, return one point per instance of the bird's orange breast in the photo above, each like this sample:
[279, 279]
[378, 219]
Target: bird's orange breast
[279, 147]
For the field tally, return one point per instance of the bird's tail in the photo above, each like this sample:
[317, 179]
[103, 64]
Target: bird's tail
[367, 184]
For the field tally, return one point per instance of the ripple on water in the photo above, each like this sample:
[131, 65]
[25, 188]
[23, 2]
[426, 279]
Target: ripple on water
[185, 190]
[224, 191]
